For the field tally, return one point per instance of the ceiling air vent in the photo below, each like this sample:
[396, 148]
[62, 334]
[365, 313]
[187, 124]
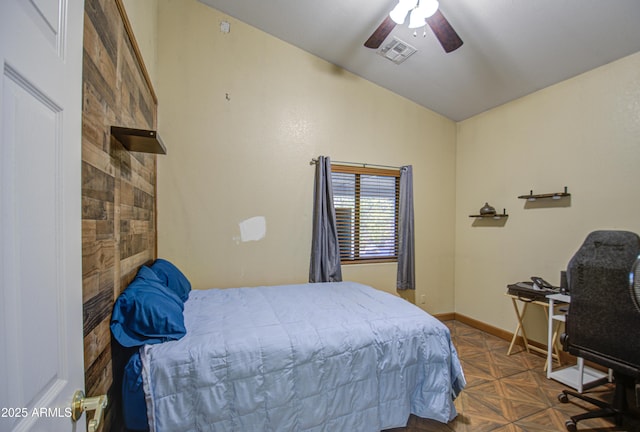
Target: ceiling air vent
[397, 51]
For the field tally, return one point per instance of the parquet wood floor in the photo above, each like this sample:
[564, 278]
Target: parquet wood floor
[509, 393]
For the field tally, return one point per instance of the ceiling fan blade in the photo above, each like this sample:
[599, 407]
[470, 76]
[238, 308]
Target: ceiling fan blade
[381, 33]
[447, 36]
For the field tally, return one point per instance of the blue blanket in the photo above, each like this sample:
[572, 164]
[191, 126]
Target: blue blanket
[313, 357]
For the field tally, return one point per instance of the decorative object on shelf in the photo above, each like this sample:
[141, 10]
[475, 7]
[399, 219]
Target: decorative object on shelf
[555, 195]
[492, 215]
[139, 140]
[487, 210]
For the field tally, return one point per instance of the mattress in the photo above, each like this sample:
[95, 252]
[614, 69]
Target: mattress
[311, 357]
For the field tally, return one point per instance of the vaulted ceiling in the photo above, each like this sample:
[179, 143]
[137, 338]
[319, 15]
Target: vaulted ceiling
[511, 47]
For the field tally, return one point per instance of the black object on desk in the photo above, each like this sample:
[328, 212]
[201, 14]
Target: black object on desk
[526, 291]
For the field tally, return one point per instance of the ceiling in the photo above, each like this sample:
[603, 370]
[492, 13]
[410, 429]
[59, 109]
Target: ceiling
[511, 47]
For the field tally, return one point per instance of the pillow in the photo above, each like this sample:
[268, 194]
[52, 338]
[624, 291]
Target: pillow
[147, 312]
[172, 277]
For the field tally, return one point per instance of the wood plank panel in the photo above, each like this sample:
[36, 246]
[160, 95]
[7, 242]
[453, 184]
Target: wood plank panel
[99, 375]
[96, 309]
[118, 190]
[94, 341]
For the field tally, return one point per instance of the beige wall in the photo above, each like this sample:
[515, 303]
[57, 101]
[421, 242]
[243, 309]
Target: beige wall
[583, 133]
[233, 159]
[242, 115]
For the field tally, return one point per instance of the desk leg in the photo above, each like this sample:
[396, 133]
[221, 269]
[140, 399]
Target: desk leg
[580, 374]
[553, 351]
[555, 343]
[551, 347]
[520, 327]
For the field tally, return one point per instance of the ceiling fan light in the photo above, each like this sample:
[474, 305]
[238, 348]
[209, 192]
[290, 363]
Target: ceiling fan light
[399, 13]
[425, 9]
[416, 19]
[428, 7]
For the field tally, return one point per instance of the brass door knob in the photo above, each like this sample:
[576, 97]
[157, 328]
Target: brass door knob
[81, 404]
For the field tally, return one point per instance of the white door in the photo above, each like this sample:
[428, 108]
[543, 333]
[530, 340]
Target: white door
[41, 338]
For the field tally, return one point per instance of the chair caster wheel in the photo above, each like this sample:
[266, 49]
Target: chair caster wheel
[571, 426]
[563, 398]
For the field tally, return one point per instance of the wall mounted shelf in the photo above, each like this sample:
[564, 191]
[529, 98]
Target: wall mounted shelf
[139, 140]
[555, 195]
[491, 216]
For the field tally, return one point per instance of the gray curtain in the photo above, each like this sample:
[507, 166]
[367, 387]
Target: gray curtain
[325, 250]
[406, 245]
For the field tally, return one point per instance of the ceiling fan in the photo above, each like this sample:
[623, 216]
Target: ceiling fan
[421, 13]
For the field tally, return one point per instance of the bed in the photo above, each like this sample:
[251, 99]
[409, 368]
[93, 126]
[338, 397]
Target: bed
[309, 357]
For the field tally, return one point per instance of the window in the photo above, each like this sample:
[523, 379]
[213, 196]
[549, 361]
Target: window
[366, 205]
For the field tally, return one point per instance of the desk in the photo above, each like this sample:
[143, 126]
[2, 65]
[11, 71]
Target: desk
[577, 376]
[520, 313]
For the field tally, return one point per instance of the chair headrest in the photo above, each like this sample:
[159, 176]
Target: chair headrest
[608, 249]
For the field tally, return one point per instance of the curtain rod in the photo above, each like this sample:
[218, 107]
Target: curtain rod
[363, 165]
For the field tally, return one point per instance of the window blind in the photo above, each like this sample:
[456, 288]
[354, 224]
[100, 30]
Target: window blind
[366, 205]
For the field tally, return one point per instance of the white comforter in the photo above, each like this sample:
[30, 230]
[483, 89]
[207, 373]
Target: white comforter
[316, 357]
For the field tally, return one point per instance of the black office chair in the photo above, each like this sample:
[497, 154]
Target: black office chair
[603, 321]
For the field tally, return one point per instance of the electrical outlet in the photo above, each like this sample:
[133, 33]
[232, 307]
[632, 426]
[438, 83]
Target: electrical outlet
[423, 299]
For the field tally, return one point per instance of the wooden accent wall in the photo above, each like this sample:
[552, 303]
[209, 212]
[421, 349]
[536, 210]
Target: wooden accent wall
[118, 189]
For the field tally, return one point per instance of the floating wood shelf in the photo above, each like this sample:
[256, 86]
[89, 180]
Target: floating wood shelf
[555, 195]
[491, 215]
[139, 140]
